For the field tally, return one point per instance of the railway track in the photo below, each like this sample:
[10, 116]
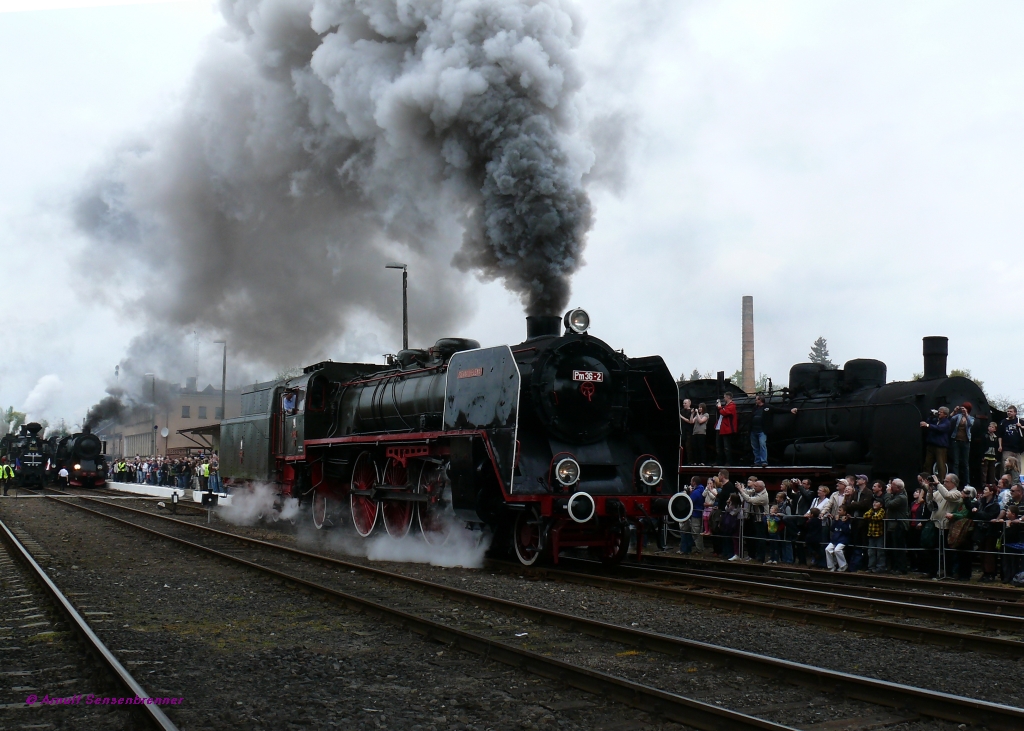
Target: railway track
[680, 589]
[831, 579]
[281, 562]
[32, 669]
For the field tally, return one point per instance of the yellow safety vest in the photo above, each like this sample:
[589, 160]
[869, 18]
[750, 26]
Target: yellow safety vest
[6, 472]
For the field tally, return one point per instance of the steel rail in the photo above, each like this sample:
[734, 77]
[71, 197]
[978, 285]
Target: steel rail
[800, 614]
[93, 642]
[924, 702]
[637, 695]
[991, 606]
[838, 598]
[834, 578]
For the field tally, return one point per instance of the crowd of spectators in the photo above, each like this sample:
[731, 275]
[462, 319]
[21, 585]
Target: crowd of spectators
[198, 473]
[935, 527]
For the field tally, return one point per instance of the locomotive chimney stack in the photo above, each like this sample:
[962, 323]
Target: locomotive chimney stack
[539, 326]
[936, 348]
[749, 376]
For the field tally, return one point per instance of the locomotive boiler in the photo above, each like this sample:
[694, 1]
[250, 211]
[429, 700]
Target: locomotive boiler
[559, 441]
[851, 421]
[82, 455]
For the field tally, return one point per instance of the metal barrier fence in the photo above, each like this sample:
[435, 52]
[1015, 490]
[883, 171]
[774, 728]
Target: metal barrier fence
[1006, 553]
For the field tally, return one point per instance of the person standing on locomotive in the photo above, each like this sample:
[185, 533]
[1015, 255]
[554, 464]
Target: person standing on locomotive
[686, 416]
[960, 441]
[725, 429]
[1011, 440]
[760, 422]
[937, 440]
[700, 435]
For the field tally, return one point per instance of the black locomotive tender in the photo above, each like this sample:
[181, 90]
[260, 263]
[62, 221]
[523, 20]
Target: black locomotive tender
[557, 442]
[849, 420]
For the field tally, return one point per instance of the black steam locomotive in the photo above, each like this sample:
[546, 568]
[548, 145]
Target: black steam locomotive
[849, 420]
[28, 453]
[557, 442]
[82, 455]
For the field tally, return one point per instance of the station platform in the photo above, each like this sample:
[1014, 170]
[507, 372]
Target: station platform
[165, 493]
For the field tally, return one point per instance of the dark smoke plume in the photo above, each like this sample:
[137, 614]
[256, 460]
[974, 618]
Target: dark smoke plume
[322, 138]
[108, 407]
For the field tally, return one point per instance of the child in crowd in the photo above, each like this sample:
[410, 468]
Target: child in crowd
[875, 519]
[835, 554]
[989, 462]
[776, 534]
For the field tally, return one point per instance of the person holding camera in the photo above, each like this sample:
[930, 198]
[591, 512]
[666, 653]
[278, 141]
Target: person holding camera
[756, 498]
[1011, 438]
[937, 431]
[961, 422]
[725, 428]
[760, 422]
[897, 510]
[699, 437]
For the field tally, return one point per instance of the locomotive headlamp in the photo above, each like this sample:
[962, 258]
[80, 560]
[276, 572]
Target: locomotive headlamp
[650, 472]
[78, 466]
[567, 471]
[577, 320]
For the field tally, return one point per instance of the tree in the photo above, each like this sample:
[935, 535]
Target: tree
[966, 373]
[13, 419]
[819, 354]
[60, 429]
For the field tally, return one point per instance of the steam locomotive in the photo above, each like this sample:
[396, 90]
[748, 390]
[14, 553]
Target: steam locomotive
[849, 420]
[28, 453]
[82, 455]
[557, 442]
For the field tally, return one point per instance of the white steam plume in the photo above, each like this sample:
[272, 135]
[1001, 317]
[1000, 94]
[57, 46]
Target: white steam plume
[321, 138]
[40, 398]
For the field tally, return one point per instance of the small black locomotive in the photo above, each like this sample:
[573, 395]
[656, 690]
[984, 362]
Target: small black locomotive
[559, 441]
[849, 420]
[28, 453]
[82, 454]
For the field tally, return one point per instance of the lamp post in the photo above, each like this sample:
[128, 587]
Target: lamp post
[405, 300]
[223, 379]
[152, 412]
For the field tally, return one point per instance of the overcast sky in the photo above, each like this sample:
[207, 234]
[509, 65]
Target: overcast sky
[854, 166]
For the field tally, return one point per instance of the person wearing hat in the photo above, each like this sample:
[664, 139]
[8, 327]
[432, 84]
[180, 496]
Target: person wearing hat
[960, 441]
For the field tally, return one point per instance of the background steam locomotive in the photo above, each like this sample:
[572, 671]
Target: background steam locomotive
[82, 455]
[28, 453]
[850, 419]
[556, 442]
[37, 461]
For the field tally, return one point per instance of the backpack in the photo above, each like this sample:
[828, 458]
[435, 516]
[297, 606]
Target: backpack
[960, 532]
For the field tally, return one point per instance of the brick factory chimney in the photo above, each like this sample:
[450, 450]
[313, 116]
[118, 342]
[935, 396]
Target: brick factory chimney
[749, 375]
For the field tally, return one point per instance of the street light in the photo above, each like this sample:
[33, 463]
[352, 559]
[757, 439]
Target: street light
[223, 378]
[405, 300]
[152, 432]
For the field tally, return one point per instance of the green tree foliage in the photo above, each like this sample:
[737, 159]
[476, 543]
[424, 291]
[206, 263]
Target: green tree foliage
[13, 419]
[695, 375]
[819, 354]
[966, 373]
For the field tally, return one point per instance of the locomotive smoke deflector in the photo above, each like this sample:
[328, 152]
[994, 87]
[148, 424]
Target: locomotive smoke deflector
[936, 348]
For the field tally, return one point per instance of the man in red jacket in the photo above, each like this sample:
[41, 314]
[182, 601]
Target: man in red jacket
[725, 428]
